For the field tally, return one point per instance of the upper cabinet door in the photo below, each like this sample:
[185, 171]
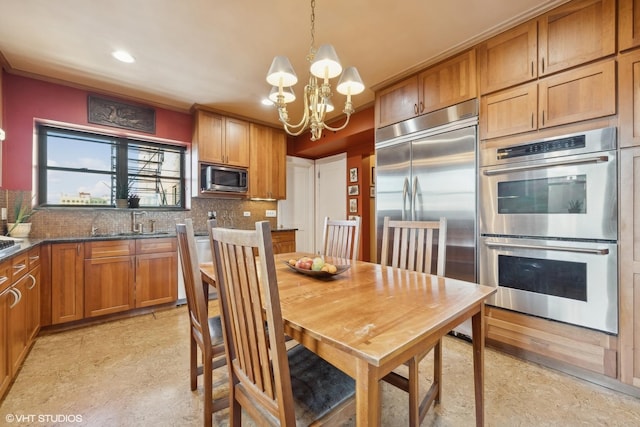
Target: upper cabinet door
[576, 33]
[509, 111]
[448, 83]
[398, 102]
[629, 99]
[209, 139]
[509, 58]
[629, 24]
[581, 94]
[236, 142]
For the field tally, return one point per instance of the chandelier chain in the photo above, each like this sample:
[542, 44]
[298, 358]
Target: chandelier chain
[313, 30]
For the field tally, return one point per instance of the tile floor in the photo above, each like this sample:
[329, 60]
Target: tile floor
[135, 372]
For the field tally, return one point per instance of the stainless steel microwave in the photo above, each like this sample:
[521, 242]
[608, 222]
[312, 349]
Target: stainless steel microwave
[216, 178]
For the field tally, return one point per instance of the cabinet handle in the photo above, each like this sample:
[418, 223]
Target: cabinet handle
[415, 108]
[17, 295]
[19, 267]
[78, 249]
[532, 69]
[543, 65]
[34, 258]
[542, 117]
[3, 279]
[33, 282]
[421, 107]
[531, 120]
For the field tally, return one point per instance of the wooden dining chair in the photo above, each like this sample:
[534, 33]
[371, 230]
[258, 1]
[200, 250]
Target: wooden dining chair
[273, 386]
[413, 250]
[205, 331]
[341, 238]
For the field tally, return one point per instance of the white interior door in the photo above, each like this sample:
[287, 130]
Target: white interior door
[297, 211]
[331, 190]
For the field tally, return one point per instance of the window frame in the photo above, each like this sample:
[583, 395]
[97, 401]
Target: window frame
[121, 172]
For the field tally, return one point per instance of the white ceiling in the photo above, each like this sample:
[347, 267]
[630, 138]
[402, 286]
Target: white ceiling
[217, 53]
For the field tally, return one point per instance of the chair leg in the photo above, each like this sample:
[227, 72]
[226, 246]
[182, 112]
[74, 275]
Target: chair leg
[193, 361]
[414, 392]
[208, 389]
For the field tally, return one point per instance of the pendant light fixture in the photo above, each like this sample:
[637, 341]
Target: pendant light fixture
[317, 94]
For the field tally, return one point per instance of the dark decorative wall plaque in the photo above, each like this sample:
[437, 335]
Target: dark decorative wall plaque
[116, 114]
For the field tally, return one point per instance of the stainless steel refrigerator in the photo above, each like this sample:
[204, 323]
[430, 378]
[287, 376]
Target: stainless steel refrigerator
[426, 169]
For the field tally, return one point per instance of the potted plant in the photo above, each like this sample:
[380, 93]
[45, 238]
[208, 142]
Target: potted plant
[575, 206]
[122, 196]
[20, 227]
[134, 201]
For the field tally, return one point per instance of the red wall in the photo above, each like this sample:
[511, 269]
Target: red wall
[27, 100]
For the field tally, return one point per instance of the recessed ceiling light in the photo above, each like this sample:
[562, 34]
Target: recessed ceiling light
[123, 56]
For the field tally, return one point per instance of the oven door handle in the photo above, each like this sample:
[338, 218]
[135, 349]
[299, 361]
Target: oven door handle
[596, 159]
[604, 251]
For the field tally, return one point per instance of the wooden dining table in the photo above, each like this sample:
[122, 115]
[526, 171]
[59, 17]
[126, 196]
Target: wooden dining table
[370, 319]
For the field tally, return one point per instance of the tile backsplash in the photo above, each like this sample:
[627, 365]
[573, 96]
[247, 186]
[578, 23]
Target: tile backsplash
[77, 222]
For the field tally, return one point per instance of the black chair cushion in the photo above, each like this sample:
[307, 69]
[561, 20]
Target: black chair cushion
[215, 330]
[318, 386]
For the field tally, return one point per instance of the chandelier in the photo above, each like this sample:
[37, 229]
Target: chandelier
[325, 65]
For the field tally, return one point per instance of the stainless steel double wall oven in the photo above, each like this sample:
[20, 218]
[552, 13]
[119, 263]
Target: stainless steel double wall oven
[549, 229]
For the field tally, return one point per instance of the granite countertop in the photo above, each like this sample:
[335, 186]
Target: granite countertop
[26, 244]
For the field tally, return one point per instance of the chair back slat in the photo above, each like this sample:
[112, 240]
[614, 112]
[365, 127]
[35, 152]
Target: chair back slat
[252, 318]
[341, 238]
[196, 300]
[412, 244]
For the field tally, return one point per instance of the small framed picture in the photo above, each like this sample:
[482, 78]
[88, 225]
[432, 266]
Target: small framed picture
[372, 191]
[353, 205]
[353, 175]
[354, 190]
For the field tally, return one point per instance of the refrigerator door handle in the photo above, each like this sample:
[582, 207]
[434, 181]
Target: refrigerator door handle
[414, 192]
[405, 190]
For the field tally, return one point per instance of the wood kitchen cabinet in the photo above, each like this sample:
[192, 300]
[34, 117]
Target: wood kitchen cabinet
[448, 83]
[576, 33]
[108, 277]
[629, 334]
[509, 59]
[629, 98]
[268, 166]
[33, 293]
[628, 24]
[398, 102]
[19, 312]
[222, 140]
[581, 94]
[156, 271]
[67, 282]
[283, 241]
[6, 298]
[16, 321]
[570, 35]
[445, 84]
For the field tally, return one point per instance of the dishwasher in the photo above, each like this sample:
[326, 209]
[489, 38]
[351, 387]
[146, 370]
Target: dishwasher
[203, 250]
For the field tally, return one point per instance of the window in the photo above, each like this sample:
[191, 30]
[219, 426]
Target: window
[85, 169]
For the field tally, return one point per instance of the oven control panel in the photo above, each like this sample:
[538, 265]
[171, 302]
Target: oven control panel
[569, 143]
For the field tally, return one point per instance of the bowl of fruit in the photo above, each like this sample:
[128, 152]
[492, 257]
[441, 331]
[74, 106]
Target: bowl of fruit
[315, 267]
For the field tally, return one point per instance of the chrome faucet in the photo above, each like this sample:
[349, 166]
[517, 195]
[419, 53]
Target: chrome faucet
[94, 228]
[137, 227]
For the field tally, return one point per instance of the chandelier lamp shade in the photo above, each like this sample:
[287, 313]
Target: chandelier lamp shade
[317, 94]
